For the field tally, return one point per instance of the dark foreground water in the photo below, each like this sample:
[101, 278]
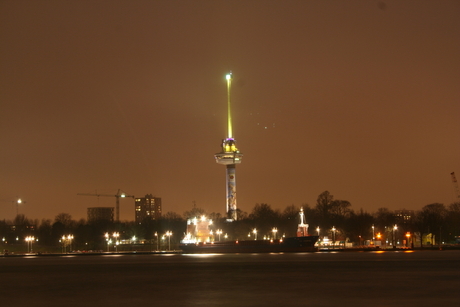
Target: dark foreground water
[420, 278]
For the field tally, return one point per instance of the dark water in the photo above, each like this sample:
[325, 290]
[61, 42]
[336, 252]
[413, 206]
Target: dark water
[420, 278]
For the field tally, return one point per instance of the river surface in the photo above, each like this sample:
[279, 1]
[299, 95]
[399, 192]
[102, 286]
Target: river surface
[418, 278]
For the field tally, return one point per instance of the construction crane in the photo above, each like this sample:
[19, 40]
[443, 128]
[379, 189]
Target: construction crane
[117, 200]
[455, 183]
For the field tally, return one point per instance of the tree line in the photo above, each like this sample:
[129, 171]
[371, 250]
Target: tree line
[434, 223]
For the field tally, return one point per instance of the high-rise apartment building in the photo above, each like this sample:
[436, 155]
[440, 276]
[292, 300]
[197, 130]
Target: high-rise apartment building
[148, 207]
[100, 214]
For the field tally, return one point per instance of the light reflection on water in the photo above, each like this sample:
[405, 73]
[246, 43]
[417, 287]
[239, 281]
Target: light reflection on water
[409, 278]
[201, 255]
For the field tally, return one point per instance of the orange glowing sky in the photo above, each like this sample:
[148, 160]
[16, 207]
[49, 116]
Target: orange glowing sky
[360, 98]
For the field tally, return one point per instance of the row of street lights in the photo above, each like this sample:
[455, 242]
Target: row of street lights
[115, 235]
[116, 242]
[333, 229]
[219, 232]
[30, 240]
[67, 240]
[394, 229]
[254, 231]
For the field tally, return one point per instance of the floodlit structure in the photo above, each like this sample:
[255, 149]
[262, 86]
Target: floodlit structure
[302, 229]
[230, 156]
[198, 230]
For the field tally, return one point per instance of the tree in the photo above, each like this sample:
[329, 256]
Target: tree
[452, 222]
[290, 213]
[65, 219]
[172, 221]
[323, 207]
[21, 220]
[359, 226]
[195, 212]
[384, 218]
[434, 216]
[332, 212]
[430, 220]
[171, 216]
[264, 218]
[241, 214]
[44, 232]
[340, 210]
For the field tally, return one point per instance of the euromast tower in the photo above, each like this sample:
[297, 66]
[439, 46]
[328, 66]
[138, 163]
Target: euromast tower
[230, 156]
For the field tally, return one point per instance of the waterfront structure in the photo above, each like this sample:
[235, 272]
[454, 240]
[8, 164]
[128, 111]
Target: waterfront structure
[198, 230]
[229, 156]
[148, 207]
[302, 229]
[200, 239]
[100, 214]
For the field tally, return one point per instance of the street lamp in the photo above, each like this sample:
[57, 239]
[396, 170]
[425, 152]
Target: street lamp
[70, 238]
[116, 235]
[373, 234]
[107, 238]
[317, 230]
[219, 232]
[394, 229]
[333, 236]
[408, 237]
[156, 236]
[254, 231]
[169, 234]
[63, 240]
[274, 230]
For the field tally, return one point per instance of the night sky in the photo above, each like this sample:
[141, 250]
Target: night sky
[360, 98]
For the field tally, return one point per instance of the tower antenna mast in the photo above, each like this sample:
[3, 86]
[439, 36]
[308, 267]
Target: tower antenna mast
[229, 116]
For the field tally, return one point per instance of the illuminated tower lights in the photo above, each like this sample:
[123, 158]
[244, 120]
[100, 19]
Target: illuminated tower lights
[230, 156]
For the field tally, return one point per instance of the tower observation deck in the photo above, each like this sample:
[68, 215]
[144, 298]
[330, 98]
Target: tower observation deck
[230, 156]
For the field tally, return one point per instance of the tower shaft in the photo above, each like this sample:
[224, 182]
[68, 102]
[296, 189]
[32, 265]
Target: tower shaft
[231, 191]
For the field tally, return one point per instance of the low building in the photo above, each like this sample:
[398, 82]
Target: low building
[148, 207]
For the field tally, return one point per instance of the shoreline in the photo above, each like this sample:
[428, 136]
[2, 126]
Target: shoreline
[320, 250]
